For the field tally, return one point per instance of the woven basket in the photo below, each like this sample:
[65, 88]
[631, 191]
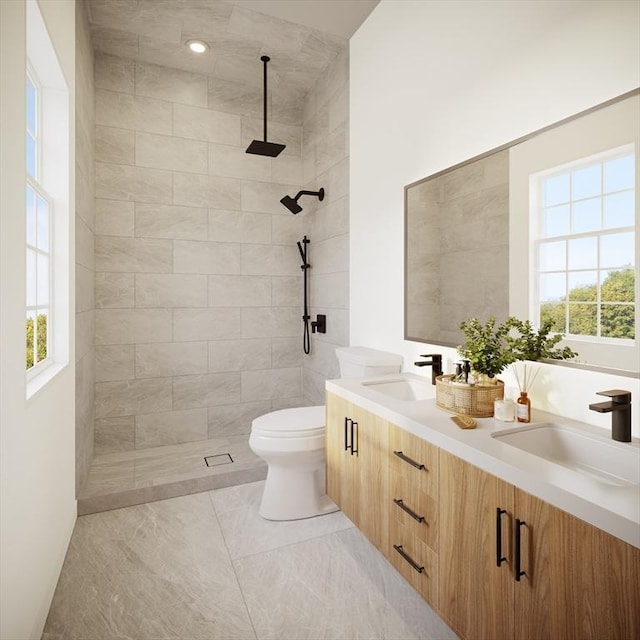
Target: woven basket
[476, 401]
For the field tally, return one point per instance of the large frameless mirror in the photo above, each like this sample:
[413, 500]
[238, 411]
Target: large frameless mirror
[543, 228]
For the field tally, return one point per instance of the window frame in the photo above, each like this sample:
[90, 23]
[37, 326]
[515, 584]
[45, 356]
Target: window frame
[607, 126]
[537, 238]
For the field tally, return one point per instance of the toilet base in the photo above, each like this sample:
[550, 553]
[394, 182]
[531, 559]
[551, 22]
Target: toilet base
[292, 495]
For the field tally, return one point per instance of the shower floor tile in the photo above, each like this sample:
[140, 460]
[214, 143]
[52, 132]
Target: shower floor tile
[132, 477]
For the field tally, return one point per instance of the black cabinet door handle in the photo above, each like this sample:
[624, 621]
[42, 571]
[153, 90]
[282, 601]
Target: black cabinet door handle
[354, 437]
[406, 509]
[499, 557]
[518, 561]
[408, 558]
[346, 439]
[413, 463]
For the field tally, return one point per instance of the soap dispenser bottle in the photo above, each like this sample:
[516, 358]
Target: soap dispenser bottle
[523, 407]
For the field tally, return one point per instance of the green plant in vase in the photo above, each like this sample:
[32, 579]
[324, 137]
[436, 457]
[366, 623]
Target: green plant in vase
[487, 347]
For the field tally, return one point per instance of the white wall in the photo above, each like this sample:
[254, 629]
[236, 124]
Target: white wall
[38, 506]
[435, 83]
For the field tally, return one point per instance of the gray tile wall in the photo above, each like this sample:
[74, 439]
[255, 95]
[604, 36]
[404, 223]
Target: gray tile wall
[85, 221]
[198, 286]
[325, 153]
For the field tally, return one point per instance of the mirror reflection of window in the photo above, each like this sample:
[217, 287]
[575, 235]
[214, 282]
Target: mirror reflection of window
[584, 250]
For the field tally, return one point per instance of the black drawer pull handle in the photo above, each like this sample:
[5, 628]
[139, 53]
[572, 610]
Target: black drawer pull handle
[518, 571]
[406, 509]
[413, 463]
[346, 440]
[499, 557]
[402, 552]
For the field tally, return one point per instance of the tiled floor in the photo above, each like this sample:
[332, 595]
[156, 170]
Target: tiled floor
[143, 475]
[208, 566]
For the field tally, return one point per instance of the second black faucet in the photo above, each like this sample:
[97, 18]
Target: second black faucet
[435, 363]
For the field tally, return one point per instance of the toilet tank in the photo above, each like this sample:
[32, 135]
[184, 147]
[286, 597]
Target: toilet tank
[361, 362]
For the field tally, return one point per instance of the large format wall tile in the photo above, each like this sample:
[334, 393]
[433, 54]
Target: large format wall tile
[206, 257]
[114, 217]
[170, 221]
[239, 355]
[235, 419]
[133, 254]
[174, 85]
[206, 390]
[169, 152]
[271, 322]
[132, 326]
[120, 182]
[133, 397]
[239, 226]
[115, 145]
[114, 73]
[236, 163]
[170, 359]
[271, 383]
[239, 291]
[159, 429]
[195, 190]
[115, 109]
[274, 260]
[114, 435]
[170, 290]
[115, 290]
[205, 124]
[115, 362]
[206, 324]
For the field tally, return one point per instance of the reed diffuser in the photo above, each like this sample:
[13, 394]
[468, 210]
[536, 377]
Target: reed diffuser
[523, 403]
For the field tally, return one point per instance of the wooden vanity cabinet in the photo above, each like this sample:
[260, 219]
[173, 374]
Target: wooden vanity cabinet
[578, 581]
[357, 467]
[413, 511]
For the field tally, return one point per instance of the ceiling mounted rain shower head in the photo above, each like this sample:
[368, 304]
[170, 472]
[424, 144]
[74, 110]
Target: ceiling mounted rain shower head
[292, 203]
[262, 147]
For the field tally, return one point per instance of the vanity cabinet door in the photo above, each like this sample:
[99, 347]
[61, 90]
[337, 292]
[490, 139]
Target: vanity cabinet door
[357, 467]
[341, 473]
[579, 582]
[476, 596]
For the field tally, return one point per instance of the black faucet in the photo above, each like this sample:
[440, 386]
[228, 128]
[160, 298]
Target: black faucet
[620, 408]
[435, 363]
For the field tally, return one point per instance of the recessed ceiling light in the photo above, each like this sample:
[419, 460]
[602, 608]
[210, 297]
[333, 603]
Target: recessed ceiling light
[197, 46]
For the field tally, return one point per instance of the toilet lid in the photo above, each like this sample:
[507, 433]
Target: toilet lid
[291, 423]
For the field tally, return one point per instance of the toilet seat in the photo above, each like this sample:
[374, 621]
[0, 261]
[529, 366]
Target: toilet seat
[298, 422]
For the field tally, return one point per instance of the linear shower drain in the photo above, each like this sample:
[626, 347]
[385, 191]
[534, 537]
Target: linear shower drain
[218, 459]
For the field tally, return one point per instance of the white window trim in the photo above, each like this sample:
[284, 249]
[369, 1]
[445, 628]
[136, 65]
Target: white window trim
[54, 178]
[608, 128]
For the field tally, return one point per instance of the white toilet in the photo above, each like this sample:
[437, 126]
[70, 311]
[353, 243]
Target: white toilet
[292, 443]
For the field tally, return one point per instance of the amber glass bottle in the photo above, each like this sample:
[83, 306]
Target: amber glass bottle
[523, 409]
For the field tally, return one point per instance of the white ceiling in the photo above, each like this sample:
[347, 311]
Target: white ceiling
[337, 17]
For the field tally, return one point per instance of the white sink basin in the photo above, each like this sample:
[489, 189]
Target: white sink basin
[597, 456]
[402, 388]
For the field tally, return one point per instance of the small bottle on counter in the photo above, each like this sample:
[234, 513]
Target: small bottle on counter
[523, 408]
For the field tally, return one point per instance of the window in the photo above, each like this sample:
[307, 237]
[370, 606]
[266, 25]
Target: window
[584, 248]
[573, 233]
[48, 202]
[38, 239]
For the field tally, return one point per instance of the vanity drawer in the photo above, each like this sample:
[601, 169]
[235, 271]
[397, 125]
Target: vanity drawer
[414, 560]
[414, 509]
[414, 459]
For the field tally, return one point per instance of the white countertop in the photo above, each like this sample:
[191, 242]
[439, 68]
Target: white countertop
[614, 509]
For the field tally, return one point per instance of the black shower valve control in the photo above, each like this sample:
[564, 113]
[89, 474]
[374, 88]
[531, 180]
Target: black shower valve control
[320, 324]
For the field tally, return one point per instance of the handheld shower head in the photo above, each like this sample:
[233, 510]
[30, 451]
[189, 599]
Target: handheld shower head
[292, 203]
